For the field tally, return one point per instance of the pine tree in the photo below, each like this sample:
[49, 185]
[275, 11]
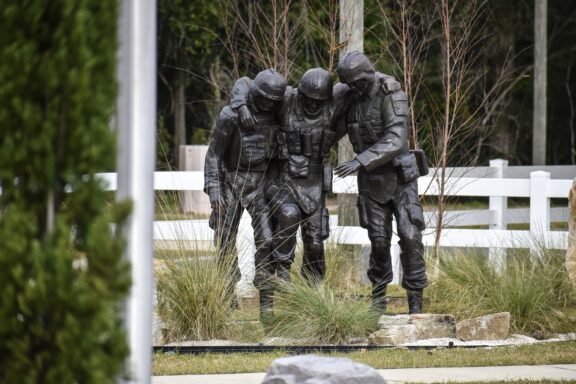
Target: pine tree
[62, 275]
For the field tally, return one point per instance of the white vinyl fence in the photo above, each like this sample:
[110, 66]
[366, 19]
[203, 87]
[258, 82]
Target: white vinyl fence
[498, 182]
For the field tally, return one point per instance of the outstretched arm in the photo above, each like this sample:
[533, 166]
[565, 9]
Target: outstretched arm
[214, 171]
[238, 98]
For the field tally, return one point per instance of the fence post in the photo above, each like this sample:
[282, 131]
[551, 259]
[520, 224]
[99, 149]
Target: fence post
[499, 206]
[397, 271]
[246, 249]
[539, 205]
[191, 158]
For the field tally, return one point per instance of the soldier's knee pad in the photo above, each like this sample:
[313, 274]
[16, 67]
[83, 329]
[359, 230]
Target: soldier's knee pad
[380, 244]
[289, 216]
[265, 246]
[411, 243]
[316, 248]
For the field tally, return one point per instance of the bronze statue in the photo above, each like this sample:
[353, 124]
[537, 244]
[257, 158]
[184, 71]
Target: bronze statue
[297, 194]
[238, 164]
[377, 125]
[269, 155]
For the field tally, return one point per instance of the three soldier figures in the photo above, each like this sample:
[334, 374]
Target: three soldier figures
[269, 155]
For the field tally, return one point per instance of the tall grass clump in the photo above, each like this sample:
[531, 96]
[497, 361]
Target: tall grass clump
[533, 287]
[194, 290]
[315, 313]
[194, 299]
[344, 269]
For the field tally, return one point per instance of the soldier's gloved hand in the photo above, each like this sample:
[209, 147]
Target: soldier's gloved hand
[246, 118]
[216, 200]
[391, 85]
[347, 168]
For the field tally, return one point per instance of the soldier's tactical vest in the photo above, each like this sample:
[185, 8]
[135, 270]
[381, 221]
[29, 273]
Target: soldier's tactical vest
[365, 124]
[305, 142]
[365, 128]
[258, 145]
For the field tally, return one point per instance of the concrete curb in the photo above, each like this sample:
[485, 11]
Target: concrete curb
[414, 375]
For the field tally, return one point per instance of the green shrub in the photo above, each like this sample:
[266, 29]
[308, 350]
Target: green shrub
[62, 273]
[533, 288]
[317, 314]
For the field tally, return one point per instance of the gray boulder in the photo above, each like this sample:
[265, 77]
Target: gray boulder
[309, 369]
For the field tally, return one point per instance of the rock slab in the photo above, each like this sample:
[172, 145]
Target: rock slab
[490, 327]
[394, 335]
[391, 320]
[402, 329]
[309, 369]
[433, 326]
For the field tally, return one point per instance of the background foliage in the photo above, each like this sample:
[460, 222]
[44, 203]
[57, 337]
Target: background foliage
[215, 42]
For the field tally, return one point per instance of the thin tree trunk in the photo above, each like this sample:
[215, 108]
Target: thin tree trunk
[352, 36]
[179, 115]
[447, 57]
[540, 82]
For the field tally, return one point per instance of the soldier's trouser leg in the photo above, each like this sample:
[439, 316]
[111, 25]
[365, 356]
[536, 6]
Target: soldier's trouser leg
[410, 222]
[263, 260]
[226, 231]
[287, 222]
[225, 238]
[377, 218]
[314, 231]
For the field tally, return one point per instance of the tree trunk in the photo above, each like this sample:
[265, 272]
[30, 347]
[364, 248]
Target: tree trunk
[179, 115]
[352, 36]
[540, 82]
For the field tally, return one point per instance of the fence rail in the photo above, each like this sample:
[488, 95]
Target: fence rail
[497, 182]
[487, 182]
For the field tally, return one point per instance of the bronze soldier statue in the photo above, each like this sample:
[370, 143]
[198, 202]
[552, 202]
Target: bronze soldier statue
[305, 175]
[238, 163]
[377, 125]
[298, 195]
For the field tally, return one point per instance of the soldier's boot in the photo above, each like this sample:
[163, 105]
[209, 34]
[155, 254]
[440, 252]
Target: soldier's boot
[283, 272]
[313, 265]
[379, 299]
[266, 304]
[414, 301]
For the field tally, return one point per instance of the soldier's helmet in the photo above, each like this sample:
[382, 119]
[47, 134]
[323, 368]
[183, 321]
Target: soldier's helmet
[269, 84]
[316, 83]
[355, 66]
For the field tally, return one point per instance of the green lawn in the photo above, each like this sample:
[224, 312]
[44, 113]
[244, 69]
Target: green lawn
[546, 353]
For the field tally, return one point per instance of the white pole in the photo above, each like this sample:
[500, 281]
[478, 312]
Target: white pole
[136, 161]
